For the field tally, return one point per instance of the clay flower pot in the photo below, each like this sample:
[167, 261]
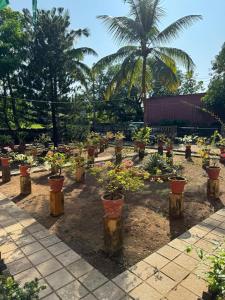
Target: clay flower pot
[56, 183]
[222, 149]
[24, 170]
[79, 174]
[5, 161]
[141, 145]
[91, 151]
[113, 208]
[213, 172]
[177, 184]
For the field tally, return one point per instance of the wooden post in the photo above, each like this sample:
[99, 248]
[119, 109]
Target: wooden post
[176, 205]
[6, 176]
[56, 203]
[213, 188]
[25, 185]
[113, 234]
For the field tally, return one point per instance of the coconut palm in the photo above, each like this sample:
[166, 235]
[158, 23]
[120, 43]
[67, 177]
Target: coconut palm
[143, 57]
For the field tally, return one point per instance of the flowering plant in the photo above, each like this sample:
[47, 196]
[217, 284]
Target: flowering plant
[54, 159]
[142, 135]
[24, 159]
[93, 139]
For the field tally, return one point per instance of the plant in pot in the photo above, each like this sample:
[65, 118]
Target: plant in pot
[25, 163]
[188, 140]
[213, 170]
[117, 180]
[44, 139]
[119, 137]
[78, 163]
[93, 140]
[204, 149]
[5, 155]
[108, 137]
[169, 148]
[141, 138]
[6, 141]
[56, 160]
[161, 138]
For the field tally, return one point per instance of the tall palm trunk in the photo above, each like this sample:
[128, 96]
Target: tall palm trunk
[143, 85]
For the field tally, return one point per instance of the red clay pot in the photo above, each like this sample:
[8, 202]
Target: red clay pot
[177, 184]
[222, 149]
[113, 208]
[213, 172]
[56, 183]
[141, 145]
[91, 151]
[5, 161]
[24, 170]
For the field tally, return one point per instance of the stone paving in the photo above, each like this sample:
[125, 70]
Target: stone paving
[31, 251]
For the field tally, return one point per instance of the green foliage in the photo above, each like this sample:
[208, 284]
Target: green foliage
[93, 139]
[156, 164]
[188, 140]
[24, 159]
[142, 135]
[117, 179]
[10, 289]
[215, 96]
[5, 140]
[55, 159]
[43, 139]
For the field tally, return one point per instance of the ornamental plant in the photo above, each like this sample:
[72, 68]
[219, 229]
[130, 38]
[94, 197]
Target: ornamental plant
[93, 139]
[10, 289]
[156, 164]
[109, 135]
[119, 136]
[188, 140]
[118, 179]
[56, 160]
[142, 135]
[24, 159]
[79, 160]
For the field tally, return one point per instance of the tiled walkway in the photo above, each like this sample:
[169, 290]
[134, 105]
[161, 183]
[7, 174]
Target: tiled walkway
[30, 251]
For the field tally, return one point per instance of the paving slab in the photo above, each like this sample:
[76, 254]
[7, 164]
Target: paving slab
[68, 257]
[73, 291]
[59, 279]
[145, 292]
[156, 260]
[162, 283]
[93, 279]
[109, 291]
[79, 268]
[49, 266]
[127, 281]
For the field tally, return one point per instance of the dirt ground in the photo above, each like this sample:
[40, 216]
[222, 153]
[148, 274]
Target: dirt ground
[147, 226]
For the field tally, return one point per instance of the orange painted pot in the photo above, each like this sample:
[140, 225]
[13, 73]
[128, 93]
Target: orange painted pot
[141, 145]
[5, 161]
[113, 208]
[24, 170]
[56, 183]
[213, 172]
[177, 184]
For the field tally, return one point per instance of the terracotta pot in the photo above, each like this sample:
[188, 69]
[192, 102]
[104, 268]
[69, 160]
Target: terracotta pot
[177, 184]
[5, 161]
[213, 172]
[24, 170]
[141, 145]
[56, 183]
[222, 149]
[169, 148]
[91, 151]
[113, 208]
[79, 174]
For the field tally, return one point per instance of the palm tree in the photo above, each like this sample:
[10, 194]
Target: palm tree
[143, 56]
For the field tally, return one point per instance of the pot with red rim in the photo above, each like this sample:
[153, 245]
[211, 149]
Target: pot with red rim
[213, 172]
[91, 151]
[177, 184]
[113, 208]
[56, 183]
[24, 170]
[5, 161]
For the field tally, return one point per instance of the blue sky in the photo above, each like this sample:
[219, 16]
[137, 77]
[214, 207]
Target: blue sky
[202, 41]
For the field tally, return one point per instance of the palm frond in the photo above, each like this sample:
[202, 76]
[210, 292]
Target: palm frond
[178, 55]
[79, 52]
[173, 30]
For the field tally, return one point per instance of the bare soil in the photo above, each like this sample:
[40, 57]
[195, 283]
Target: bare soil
[147, 225]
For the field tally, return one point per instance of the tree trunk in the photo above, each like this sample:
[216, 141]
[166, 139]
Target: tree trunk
[15, 116]
[54, 112]
[143, 89]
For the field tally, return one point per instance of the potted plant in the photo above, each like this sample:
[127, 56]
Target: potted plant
[78, 163]
[169, 148]
[25, 163]
[213, 170]
[116, 180]
[5, 156]
[188, 140]
[141, 139]
[93, 140]
[6, 141]
[177, 184]
[57, 160]
[161, 138]
[108, 137]
[43, 139]
[119, 137]
[204, 149]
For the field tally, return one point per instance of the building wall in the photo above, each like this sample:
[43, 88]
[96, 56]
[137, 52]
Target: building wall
[158, 109]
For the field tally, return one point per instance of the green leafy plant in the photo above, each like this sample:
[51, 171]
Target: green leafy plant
[24, 159]
[188, 140]
[93, 139]
[10, 289]
[43, 139]
[119, 136]
[79, 160]
[5, 140]
[142, 135]
[56, 160]
[118, 179]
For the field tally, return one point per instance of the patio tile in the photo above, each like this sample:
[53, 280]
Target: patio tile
[213, 238]
[93, 279]
[8, 247]
[217, 217]
[79, 268]
[181, 293]
[49, 266]
[51, 297]
[186, 261]
[168, 252]
[28, 221]
[48, 290]
[219, 232]
[179, 245]
[18, 234]
[127, 281]
[143, 270]
[72, 291]
[59, 279]
[188, 237]
[201, 270]
[32, 248]
[41, 234]
[68, 257]
[197, 232]
[89, 297]
[58, 248]
[174, 271]
[25, 240]
[34, 228]
[206, 245]
[162, 283]
[221, 212]
[109, 291]
[195, 284]
[49, 240]
[13, 227]
[39, 257]
[156, 260]
[145, 292]
[12, 256]
[19, 265]
[211, 222]
[28, 275]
